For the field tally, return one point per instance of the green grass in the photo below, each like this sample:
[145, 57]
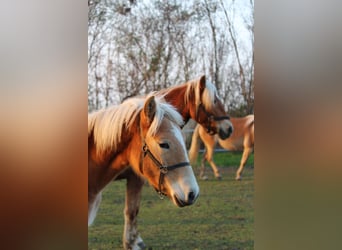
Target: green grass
[221, 218]
[225, 159]
[229, 159]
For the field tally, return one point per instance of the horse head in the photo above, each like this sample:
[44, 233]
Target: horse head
[209, 111]
[164, 161]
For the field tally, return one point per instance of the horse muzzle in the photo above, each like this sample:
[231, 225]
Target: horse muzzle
[189, 200]
[225, 133]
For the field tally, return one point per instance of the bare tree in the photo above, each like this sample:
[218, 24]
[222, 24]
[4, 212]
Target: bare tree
[135, 47]
[210, 10]
[246, 92]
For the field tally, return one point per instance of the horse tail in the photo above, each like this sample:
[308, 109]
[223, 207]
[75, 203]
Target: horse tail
[195, 144]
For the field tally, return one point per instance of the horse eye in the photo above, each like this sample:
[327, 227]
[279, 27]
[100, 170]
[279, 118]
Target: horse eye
[164, 145]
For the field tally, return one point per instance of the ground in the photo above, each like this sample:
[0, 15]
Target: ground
[221, 218]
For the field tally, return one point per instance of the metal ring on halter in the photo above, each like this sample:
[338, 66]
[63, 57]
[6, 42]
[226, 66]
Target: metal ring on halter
[144, 148]
[163, 170]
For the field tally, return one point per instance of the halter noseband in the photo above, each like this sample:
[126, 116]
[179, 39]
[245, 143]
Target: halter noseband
[163, 169]
[210, 118]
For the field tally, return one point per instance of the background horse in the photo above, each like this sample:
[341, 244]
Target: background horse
[242, 139]
[198, 99]
[144, 136]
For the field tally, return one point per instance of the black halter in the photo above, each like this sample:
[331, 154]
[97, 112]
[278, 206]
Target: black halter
[163, 169]
[210, 118]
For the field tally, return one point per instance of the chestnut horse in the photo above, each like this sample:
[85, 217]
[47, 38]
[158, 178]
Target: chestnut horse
[142, 135]
[198, 99]
[242, 139]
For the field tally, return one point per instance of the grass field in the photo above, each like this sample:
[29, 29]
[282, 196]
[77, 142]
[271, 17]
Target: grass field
[221, 218]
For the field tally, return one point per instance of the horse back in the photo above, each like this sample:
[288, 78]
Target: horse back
[243, 132]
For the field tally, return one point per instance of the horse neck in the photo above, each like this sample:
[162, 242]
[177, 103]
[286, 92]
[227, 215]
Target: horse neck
[108, 156]
[129, 150]
[176, 97]
[134, 153]
[102, 169]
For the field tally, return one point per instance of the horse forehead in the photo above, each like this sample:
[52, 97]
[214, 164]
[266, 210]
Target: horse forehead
[218, 105]
[169, 129]
[166, 125]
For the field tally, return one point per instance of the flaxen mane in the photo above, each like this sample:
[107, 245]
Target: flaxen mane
[107, 124]
[208, 95]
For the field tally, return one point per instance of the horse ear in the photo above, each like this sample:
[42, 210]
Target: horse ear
[202, 84]
[150, 109]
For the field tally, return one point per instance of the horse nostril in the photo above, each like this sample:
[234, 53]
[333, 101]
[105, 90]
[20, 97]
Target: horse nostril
[191, 197]
[224, 133]
[230, 130]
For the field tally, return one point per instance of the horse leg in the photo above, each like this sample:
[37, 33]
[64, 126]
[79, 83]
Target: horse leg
[93, 205]
[209, 156]
[202, 170]
[246, 152]
[131, 237]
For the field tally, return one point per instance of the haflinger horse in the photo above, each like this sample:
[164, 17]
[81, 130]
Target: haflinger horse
[242, 139]
[198, 99]
[143, 135]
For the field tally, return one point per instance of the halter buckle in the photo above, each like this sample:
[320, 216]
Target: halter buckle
[144, 148]
[161, 195]
[163, 170]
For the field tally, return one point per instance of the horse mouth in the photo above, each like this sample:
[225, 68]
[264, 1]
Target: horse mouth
[181, 203]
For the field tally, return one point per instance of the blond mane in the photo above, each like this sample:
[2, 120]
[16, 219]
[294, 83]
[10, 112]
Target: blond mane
[193, 86]
[208, 95]
[107, 124]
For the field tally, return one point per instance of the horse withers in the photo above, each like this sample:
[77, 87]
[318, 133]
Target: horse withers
[141, 138]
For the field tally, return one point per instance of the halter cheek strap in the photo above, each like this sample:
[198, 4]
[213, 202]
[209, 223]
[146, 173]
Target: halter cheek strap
[210, 118]
[163, 169]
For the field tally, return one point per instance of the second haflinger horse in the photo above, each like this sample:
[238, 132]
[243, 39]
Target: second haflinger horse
[142, 135]
[242, 139]
[198, 99]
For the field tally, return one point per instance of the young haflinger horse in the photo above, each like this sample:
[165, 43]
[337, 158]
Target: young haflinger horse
[144, 136]
[242, 139]
[198, 99]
